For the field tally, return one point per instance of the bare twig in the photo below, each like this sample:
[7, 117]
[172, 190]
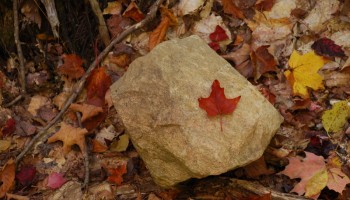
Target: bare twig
[102, 28]
[80, 85]
[19, 97]
[22, 75]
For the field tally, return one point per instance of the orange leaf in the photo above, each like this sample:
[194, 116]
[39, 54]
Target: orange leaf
[264, 5]
[116, 174]
[133, 12]
[72, 66]
[7, 177]
[263, 61]
[70, 135]
[98, 147]
[87, 110]
[217, 103]
[97, 85]
[231, 8]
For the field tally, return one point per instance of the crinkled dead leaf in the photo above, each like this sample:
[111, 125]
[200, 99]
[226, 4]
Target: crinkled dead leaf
[37, 102]
[240, 55]
[303, 72]
[186, 7]
[257, 168]
[337, 180]
[113, 8]
[263, 62]
[133, 12]
[72, 67]
[7, 177]
[303, 168]
[98, 147]
[333, 120]
[264, 5]
[327, 47]
[230, 8]
[70, 135]
[97, 85]
[88, 111]
[316, 183]
[116, 174]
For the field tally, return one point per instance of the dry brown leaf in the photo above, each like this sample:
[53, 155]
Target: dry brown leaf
[72, 67]
[133, 12]
[70, 135]
[240, 55]
[7, 177]
[87, 110]
[113, 8]
[257, 168]
[231, 8]
[98, 147]
[97, 85]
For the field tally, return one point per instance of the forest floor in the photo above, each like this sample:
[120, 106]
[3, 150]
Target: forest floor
[61, 137]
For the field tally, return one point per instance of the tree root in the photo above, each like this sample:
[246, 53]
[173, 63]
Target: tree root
[80, 84]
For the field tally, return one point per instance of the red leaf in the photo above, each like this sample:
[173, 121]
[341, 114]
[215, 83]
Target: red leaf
[265, 5]
[9, 127]
[327, 47]
[217, 103]
[214, 45]
[116, 174]
[218, 35]
[97, 85]
[72, 66]
[55, 180]
[26, 175]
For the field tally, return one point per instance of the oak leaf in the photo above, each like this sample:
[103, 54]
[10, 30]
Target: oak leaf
[116, 174]
[333, 120]
[88, 111]
[97, 85]
[26, 175]
[327, 47]
[158, 34]
[72, 66]
[230, 8]
[133, 12]
[303, 72]
[305, 169]
[70, 135]
[7, 177]
[217, 103]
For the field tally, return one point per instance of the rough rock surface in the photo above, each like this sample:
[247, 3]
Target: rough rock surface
[157, 100]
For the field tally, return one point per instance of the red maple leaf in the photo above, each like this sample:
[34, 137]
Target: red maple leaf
[116, 174]
[327, 47]
[9, 127]
[72, 66]
[218, 35]
[217, 103]
[26, 175]
[97, 85]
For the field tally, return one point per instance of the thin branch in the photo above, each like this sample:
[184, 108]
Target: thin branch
[80, 85]
[19, 97]
[102, 28]
[22, 75]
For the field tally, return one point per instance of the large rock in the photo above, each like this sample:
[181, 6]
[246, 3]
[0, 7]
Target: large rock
[157, 99]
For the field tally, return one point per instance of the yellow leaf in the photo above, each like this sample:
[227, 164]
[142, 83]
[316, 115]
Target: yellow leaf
[316, 183]
[303, 72]
[333, 120]
[4, 145]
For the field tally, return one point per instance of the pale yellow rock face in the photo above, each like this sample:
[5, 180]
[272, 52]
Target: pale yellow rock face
[157, 99]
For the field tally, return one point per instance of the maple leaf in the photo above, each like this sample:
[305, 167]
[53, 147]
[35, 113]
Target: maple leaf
[70, 135]
[158, 34]
[7, 177]
[217, 103]
[327, 47]
[133, 12]
[116, 174]
[263, 61]
[230, 8]
[303, 72]
[26, 175]
[97, 85]
[305, 169]
[88, 111]
[55, 180]
[333, 120]
[218, 35]
[337, 180]
[72, 66]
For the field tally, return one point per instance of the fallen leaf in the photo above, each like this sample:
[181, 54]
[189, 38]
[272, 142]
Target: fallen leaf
[333, 120]
[263, 62]
[55, 180]
[260, 197]
[9, 128]
[98, 147]
[214, 45]
[240, 55]
[72, 66]
[7, 177]
[133, 12]
[316, 183]
[327, 47]
[217, 103]
[264, 5]
[70, 135]
[37, 102]
[113, 8]
[303, 73]
[186, 7]
[230, 8]
[88, 111]
[218, 35]
[97, 85]
[4, 145]
[26, 175]
[257, 168]
[116, 174]
[116, 24]
[121, 145]
[158, 34]
[337, 180]
[303, 168]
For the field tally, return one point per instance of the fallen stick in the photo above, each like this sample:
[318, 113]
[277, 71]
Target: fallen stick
[80, 85]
